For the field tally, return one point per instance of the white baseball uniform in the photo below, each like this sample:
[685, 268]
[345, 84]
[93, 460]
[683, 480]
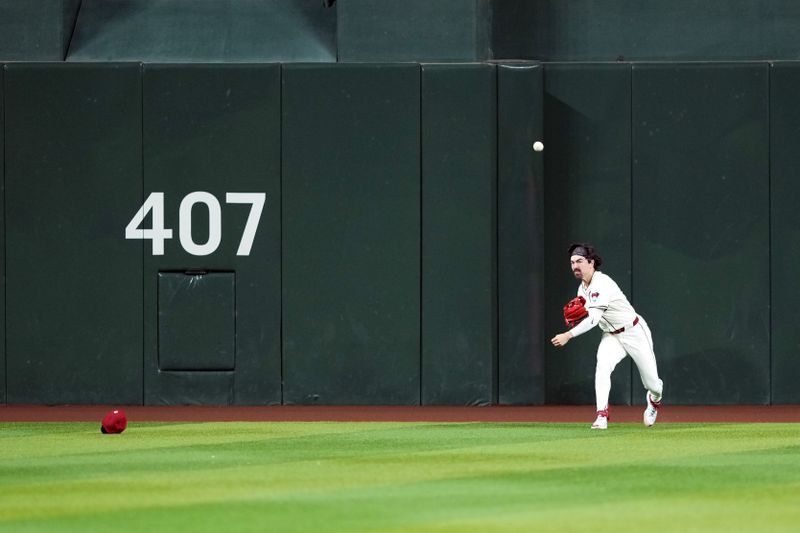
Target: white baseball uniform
[624, 333]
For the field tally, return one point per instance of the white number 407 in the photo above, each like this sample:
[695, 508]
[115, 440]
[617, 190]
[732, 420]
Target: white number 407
[158, 233]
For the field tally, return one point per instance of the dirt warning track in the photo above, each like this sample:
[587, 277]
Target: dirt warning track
[288, 413]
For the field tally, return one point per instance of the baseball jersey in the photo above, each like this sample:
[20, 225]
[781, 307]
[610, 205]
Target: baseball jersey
[604, 294]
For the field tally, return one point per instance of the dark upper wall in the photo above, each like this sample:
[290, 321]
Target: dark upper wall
[178, 31]
[36, 30]
[602, 30]
[413, 30]
[233, 31]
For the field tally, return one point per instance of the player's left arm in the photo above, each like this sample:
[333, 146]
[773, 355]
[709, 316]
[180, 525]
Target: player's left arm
[595, 314]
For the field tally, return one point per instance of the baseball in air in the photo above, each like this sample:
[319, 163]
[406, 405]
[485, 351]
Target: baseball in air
[538, 146]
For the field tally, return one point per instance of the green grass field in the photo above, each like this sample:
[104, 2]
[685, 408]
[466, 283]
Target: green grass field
[399, 477]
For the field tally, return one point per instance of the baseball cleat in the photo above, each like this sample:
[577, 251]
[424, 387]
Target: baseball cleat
[602, 420]
[651, 412]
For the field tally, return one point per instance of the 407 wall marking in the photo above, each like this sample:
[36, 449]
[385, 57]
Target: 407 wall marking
[158, 233]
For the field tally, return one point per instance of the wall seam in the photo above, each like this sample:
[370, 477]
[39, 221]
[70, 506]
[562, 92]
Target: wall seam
[5, 246]
[769, 226]
[421, 236]
[280, 228]
[336, 43]
[72, 30]
[496, 373]
[540, 135]
[631, 167]
[141, 199]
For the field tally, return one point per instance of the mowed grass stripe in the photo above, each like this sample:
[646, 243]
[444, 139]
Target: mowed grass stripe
[399, 476]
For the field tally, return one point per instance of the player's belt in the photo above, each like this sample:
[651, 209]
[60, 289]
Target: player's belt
[620, 330]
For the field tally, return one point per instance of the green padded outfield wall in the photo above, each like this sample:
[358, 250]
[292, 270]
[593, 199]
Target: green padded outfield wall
[212, 315]
[36, 30]
[227, 31]
[459, 234]
[785, 230]
[701, 227]
[414, 30]
[73, 284]
[520, 226]
[587, 163]
[351, 234]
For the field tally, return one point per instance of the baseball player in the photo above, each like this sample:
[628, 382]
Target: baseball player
[624, 333]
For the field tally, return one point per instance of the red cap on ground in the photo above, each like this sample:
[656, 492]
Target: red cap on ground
[114, 422]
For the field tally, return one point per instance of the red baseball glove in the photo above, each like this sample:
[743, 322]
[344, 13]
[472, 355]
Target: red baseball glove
[575, 311]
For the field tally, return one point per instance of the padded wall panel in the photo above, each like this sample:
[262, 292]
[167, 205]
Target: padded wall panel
[73, 179]
[414, 30]
[459, 234]
[351, 234]
[587, 199]
[521, 366]
[195, 388]
[2, 244]
[701, 227]
[216, 129]
[196, 321]
[785, 230]
[191, 31]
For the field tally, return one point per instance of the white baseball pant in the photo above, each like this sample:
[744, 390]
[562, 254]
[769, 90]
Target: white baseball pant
[636, 341]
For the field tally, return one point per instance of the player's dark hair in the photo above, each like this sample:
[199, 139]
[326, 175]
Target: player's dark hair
[586, 250]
